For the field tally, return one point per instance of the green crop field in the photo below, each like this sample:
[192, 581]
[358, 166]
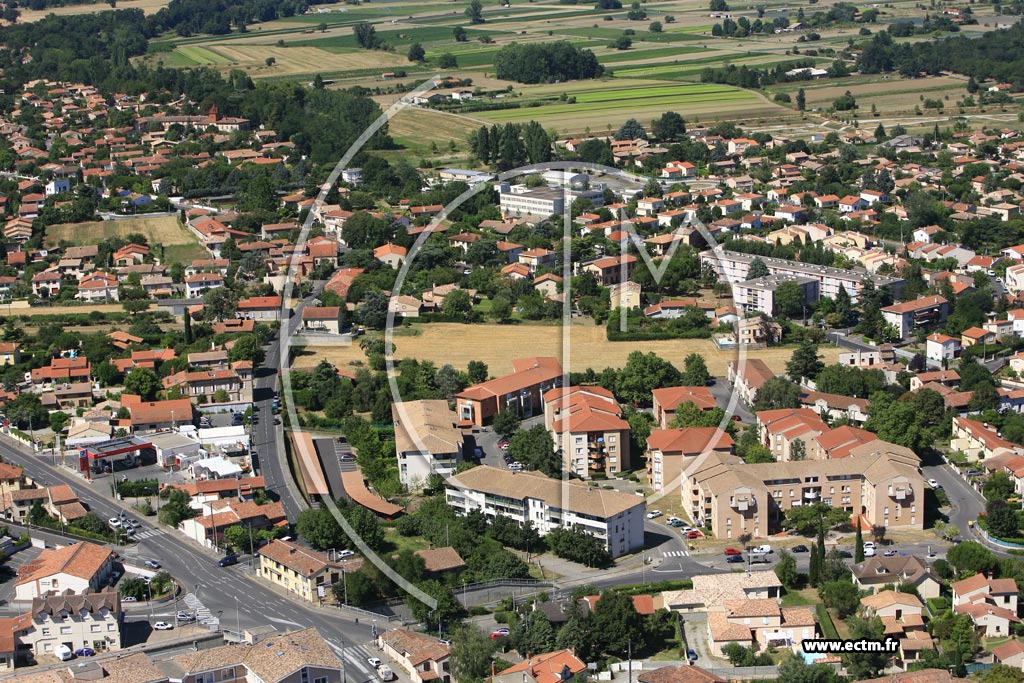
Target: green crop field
[198, 55]
[637, 55]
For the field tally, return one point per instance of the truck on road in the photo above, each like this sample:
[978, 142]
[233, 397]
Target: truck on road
[385, 673]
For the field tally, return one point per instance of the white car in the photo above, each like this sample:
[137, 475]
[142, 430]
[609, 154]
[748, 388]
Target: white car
[934, 484]
[163, 626]
[374, 662]
[654, 514]
[346, 553]
[114, 522]
[761, 550]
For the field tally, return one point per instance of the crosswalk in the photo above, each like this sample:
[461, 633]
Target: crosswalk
[356, 657]
[203, 613]
[147, 533]
[676, 553]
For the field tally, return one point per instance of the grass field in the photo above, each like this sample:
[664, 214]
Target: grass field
[179, 244]
[147, 6]
[497, 345]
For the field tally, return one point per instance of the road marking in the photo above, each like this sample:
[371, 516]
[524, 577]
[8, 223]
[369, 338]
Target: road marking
[676, 553]
[284, 621]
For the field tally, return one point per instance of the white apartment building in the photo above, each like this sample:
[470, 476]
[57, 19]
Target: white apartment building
[77, 621]
[758, 295]
[732, 266]
[548, 504]
[426, 440]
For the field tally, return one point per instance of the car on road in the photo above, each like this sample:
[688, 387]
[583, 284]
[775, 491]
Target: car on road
[934, 484]
[152, 564]
[799, 548]
[186, 617]
[761, 550]
[228, 560]
[277, 420]
[515, 466]
[733, 559]
[114, 522]
[129, 598]
[374, 662]
[691, 655]
[346, 553]
[84, 652]
[346, 457]
[891, 552]
[845, 554]
[163, 626]
[654, 514]
[733, 551]
[500, 633]
[503, 444]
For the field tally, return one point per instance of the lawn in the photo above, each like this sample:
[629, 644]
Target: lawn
[178, 243]
[797, 598]
[497, 345]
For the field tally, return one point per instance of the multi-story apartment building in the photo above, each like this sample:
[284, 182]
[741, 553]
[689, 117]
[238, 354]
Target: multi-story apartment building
[669, 451]
[617, 519]
[733, 266]
[758, 295]
[235, 381]
[426, 440]
[667, 400]
[779, 429]
[74, 620]
[878, 481]
[542, 201]
[908, 315]
[586, 423]
[522, 390]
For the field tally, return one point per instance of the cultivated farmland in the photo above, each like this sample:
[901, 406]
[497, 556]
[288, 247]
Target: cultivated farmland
[177, 242]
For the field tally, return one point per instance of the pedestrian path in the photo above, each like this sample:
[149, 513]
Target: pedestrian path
[676, 553]
[203, 614]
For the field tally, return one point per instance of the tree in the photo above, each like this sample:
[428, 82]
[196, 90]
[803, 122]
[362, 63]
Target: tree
[501, 309]
[533, 633]
[642, 374]
[801, 100]
[863, 665]
[142, 382]
[970, 557]
[998, 487]
[805, 361]
[785, 569]
[219, 303]
[366, 35]
[808, 519]
[758, 268]
[696, 371]
[738, 655]
[471, 653]
[1001, 673]
[135, 306]
[795, 670]
[270, 61]
[506, 423]
[858, 546]
[535, 448]
[475, 12]
[477, 371]
[447, 61]
[631, 129]
[248, 347]
[797, 450]
[777, 393]
[189, 336]
[719, 6]
[374, 311]
[459, 34]
[236, 536]
[416, 53]
[623, 42]
[788, 301]
[1002, 519]
[457, 303]
[984, 397]
[27, 412]
[841, 596]
[320, 529]
[655, 27]
[616, 623]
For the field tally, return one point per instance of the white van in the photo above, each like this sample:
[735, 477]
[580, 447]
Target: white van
[63, 653]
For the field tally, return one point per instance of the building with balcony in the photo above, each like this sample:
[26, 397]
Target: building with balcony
[758, 295]
[667, 400]
[426, 440]
[521, 391]
[670, 451]
[616, 519]
[878, 482]
[586, 424]
[907, 316]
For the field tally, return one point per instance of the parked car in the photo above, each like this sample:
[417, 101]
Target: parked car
[186, 617]
[691, 655]
[515, 466]
[84, 652]
[114, 522]
[346, 553]
[693, 534]
[733, 559]
[152, 564]
[934, 484]
[228, 560]
[374, 662]
[654, 514]
[799, 548]
[129, 598]
[733, 551]
[845, 554]
[163, 626]
[500, 633]
[346, 457]
[891, 552]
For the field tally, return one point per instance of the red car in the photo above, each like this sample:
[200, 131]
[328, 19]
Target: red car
[693, 534]
[733, 551]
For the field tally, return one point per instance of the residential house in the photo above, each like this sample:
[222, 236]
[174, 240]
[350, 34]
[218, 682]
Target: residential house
[427, 440]
[322, 319]
[305, 573]
[669, 452]
[668, 399]
[261, 308]
[82, 567]
[941, 347]
[909, 315]
[77, 620]
[549, 667]
[522, 390]
[424, 658]
[878, 571]
[748, 376]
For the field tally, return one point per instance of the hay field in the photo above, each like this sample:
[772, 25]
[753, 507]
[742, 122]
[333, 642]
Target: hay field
[289, 61]
[163, 230]
[147, 7]
[497, 345]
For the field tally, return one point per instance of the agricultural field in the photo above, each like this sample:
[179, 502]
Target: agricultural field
[497, 345]
[147, 6]
[178, 243]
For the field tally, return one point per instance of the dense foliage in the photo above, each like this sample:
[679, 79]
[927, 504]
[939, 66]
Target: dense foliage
[545, 62]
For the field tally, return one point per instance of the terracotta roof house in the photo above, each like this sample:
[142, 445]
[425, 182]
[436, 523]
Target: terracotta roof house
[550, 667]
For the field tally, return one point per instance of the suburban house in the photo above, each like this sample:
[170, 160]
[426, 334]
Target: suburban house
[149, 416]
[260, 308]
[80, 568]
[906, 316]
[611, 270]
[91, 619]
[208, 527]
[426, 439]
[424, 658]
[322, 319]
[748, 376]
[549, 667]
[522, 390]
[616, 519]
[941, 347]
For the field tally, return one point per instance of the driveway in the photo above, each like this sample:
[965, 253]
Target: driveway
[695, 629]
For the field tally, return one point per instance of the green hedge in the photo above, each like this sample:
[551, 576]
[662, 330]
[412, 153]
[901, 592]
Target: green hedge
[938, 605]
[828, 629]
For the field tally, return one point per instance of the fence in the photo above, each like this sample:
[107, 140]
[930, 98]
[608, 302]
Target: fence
[486, 592]
[730, 673]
